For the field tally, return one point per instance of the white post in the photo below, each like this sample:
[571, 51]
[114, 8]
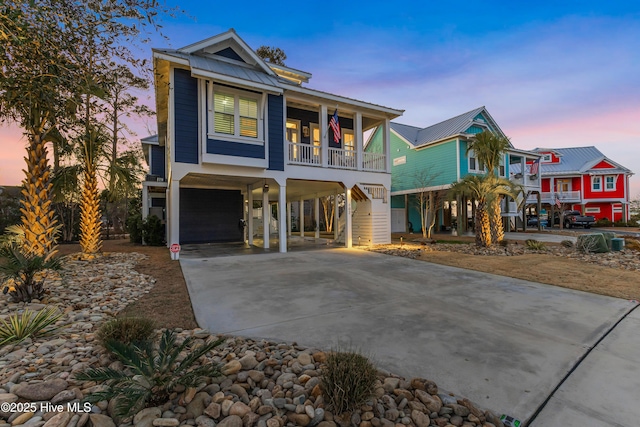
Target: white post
[336, 216]
[324, 136]
[282, 219]
[289, 219]
[317, 217]
[174, 212]
[301, 218]
[357, 134]
[386, 143]
[250, 215]
[348, 228]
[266, 216]
[145, 201]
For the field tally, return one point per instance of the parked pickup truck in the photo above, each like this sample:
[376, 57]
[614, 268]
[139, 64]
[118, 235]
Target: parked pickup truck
[573, 218]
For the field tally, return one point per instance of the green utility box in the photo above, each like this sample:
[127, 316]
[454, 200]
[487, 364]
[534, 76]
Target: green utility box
[617, 244]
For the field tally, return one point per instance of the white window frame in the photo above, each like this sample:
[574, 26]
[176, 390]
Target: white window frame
[592, 210]
[237, 94]
[546, 158]
[594, 179]
[502, 169]
[472, 155]
[606, 186]
[344, 142]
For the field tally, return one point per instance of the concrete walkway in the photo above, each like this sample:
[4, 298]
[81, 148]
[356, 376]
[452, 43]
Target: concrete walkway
[504, 343]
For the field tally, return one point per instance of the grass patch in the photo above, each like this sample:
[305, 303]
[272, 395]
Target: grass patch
[347, 381]
[126, 330]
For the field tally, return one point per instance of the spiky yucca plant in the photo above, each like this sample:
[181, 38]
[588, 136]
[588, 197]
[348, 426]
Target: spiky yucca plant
[151, 372]
[18, 327]
[38, 221]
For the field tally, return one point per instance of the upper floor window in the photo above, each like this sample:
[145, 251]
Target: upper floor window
[546, 158]
[596, 183]
[610, 183]
[474, 164]
[234, 114]
[348, 140]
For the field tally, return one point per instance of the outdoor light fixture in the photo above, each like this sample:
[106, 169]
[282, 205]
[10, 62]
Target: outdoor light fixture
[265, 188]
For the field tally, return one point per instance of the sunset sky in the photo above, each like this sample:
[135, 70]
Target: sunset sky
[551, 73]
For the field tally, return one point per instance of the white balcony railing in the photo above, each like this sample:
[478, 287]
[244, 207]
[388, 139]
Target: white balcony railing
[564, 197]
[374, 162]
[304, 154]
[342, 159]
[311, 155]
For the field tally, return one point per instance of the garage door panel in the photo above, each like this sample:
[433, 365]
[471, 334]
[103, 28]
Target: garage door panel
[210, 215]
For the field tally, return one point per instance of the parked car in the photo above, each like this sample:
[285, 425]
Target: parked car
[532, 221]
[573, 218]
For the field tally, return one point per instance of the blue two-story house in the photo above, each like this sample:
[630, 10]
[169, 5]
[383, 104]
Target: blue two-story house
[236, 132]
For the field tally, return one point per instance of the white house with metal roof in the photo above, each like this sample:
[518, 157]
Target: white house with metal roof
[236, 132]
[430, 159]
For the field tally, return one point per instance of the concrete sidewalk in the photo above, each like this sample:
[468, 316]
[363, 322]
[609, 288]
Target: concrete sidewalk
[605, 388]
[504, 343]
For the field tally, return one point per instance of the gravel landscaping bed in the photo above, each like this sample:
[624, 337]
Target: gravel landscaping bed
[265, 384]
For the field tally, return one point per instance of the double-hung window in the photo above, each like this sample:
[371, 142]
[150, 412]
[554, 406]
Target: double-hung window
[234, 115]
[596, 183]
[609, 183]
[474, 164]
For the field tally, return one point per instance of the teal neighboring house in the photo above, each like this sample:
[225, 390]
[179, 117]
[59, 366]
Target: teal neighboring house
[428, 160]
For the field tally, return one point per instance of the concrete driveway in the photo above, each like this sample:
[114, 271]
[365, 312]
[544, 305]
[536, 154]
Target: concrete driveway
[503, 343]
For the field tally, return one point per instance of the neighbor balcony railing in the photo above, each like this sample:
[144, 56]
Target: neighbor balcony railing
[374, 161]
[563, 196]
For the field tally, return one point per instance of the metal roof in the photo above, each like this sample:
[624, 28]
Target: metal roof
[448, 128]
[577, 160]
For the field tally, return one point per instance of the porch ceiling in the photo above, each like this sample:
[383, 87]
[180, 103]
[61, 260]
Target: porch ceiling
[296, 189]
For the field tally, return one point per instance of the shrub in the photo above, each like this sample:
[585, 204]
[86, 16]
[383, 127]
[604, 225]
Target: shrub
[134, 227]
[604, 222]
[592, 243]
[18, 327]
[504, 243]
[567, 243]
[621, 223]
[633, 244]
[152, 372]
[127, 330]
[153, 231]
[347, 381]
[26, 272]
[535, 245]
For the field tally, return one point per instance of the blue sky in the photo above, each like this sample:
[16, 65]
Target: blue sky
[552, 74]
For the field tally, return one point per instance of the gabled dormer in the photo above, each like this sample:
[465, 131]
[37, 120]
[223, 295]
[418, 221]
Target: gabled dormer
[549, 156]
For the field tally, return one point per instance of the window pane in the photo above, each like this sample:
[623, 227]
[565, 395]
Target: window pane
[472, 163]
[224, 103]
[224, 123]
[248, 127]
[248, 108]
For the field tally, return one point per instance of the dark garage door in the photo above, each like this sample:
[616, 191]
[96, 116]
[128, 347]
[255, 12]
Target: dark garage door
[210, 215]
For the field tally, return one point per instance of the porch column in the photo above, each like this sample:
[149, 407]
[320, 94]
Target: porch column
[266, 216]
[507, 202]
[386, 144]
[357, 134]
[250, 215]
[301, 218]
[317, 216]
[624, 213]
[459, 211]
[145, 201]
[348, 241]
[406, 213]
[282, 218]
[289, 219]
[336, 216]
[174, 211]
[538, 209]
[324, 136]
[524, 217]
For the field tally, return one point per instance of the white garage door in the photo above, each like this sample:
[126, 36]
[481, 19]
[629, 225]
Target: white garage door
[398, 220]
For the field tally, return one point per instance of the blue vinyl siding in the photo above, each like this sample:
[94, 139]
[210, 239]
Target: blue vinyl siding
[474, 129]
[375, 143]
[186, 117]
[238, 149]
[276, 132]
[157, 161]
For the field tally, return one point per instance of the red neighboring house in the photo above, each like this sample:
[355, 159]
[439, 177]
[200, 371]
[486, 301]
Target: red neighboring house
[584, 179]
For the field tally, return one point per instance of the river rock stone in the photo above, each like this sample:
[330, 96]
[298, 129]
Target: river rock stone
[99, 420]
[63, 396]
[40, 391]
[59, 420]
[231, 368]
[231, 421]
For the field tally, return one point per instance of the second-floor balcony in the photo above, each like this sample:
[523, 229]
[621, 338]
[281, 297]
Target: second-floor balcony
[338, 158]
[562, 196]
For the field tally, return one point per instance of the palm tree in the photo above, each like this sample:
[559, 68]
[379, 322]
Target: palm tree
[489, 149]
[485, 190]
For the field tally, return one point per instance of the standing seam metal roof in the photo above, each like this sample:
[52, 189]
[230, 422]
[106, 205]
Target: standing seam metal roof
[450, 127]
[576, 160]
